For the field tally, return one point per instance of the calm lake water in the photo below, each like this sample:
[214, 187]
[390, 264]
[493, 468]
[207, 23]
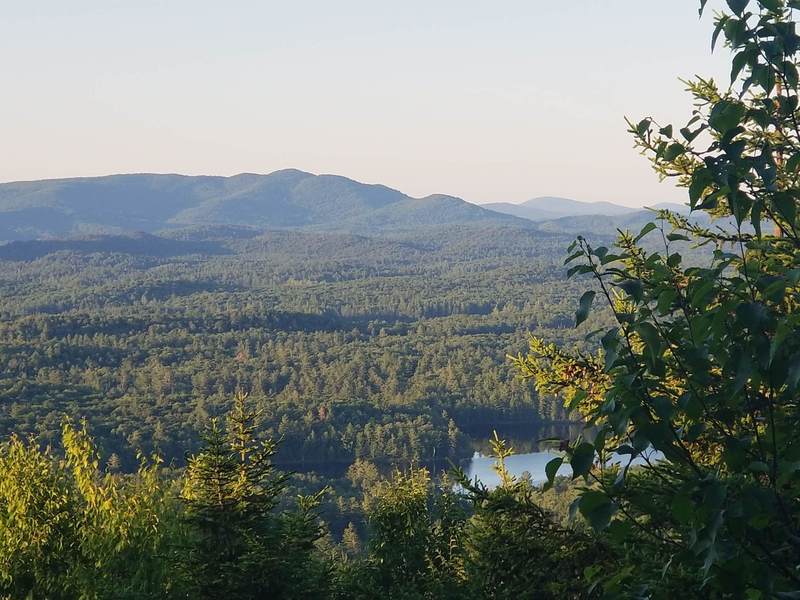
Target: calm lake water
[533, 463]
[531, 454]
[527, 440]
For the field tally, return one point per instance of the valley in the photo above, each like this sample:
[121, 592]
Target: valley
[354, 347]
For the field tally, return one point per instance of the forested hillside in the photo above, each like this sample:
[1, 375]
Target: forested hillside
[201, 360]
[354, 347]
[288, 199]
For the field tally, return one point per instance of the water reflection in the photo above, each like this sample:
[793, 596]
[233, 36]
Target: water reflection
[533, 449]
[533, 446]
[530, 464]
[523, 438]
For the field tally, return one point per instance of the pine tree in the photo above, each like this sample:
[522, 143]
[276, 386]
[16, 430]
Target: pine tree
[240, 547]
[351, 541]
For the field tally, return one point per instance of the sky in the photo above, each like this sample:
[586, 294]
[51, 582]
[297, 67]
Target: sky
[489, 101]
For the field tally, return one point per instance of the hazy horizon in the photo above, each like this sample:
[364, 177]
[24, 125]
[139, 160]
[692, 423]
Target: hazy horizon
[455, 99]
[478, 203]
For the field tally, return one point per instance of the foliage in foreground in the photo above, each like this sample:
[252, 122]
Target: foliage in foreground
[67, 530]
[71, 529]
[703, 363]
[702, 366]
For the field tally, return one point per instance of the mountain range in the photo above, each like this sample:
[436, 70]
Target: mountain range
[287, 199]
[548, 208]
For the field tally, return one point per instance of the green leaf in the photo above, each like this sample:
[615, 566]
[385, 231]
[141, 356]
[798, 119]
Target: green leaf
[752, 315]
[726, 115]
[683, 509]
[677, 237]
[663, 407]
[596, 508]
[764, 76]
[609, 258]
[773, 288]
[744, 370]
[755, 217]
[552, 467]
[717, 30]
[579, 397]
[610, 342]
[793, 376]
[584, 306]
[599, 441]
[665, 300]
[701, 179]
[695, 431]
[758, 467]
[581, 269]
[781, 333]
[786, 207]
[715, 494]
[645, 230]
[600, 252]
[738, 6]
[703, 294]
[739, 61]
[651, 338]
[793, 77]
[582, 460]
[736, 32]
[793, 163]
[634, 288]
[673, 151]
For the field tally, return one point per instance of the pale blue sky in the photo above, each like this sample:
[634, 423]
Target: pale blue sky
[490, 101]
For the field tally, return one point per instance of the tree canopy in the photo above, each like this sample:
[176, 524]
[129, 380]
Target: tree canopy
[698, 377]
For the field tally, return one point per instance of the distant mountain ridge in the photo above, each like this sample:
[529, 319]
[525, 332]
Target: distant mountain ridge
[287, 199]
[548, 208]
[284, 200]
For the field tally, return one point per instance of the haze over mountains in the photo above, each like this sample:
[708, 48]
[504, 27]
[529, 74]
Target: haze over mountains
[548, 207]
[287, 199]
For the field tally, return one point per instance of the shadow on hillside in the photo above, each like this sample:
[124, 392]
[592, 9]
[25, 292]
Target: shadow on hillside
[140, 245]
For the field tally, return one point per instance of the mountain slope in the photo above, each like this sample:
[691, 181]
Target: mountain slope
[130, 202]
[291, 199]
[609, 225]
[597, 224]
[548, 207]
[431, 211]
[287, 199]
[141, 244]
[522, 211]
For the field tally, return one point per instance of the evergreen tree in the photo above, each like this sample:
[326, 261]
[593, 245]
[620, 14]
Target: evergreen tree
[513, 548]
[240, 547]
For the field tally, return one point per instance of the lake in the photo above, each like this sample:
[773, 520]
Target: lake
[532, 463]
[532, 457]
[526, 439]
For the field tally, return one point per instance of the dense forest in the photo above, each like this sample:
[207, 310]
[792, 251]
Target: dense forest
[156, 390]
[353, 347]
